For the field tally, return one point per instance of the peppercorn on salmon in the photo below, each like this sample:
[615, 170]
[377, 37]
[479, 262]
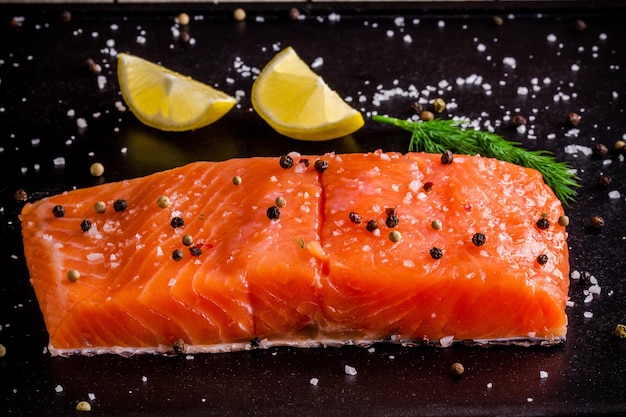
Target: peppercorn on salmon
[301, 251]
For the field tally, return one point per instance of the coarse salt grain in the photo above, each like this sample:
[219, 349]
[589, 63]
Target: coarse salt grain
[614, 194]
[588, 314]
[59, 161]
[81, 123]
[318, 62]
[349, 370]
[543, 374]
[58, 388]
[314, 381]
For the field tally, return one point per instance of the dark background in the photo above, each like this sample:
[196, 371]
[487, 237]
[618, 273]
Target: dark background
[43, 76]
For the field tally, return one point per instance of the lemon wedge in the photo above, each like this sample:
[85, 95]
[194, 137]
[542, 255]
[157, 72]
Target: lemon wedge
[167, 100]
[297, 102]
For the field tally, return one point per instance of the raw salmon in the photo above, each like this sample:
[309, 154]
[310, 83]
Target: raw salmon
[463, 251]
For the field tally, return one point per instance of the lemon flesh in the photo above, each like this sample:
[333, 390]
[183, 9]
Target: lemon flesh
[167, 100]
[297, 103]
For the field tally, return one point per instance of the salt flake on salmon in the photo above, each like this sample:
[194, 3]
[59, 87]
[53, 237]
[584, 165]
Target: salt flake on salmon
[222, 268]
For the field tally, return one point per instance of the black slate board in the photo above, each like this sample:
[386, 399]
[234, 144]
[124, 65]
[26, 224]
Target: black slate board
[42, 77]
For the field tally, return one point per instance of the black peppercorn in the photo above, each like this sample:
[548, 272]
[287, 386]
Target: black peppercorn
[120, 205]
[195, 251]
[417, 107]
[580, 25]
[179, 346]
[294, 13]
[355, 217]
[371, 226]
[600, 150]
[479, 239]
[436, 253]
[20, 196]
[177, 255]
[321, 165]
[519, 120]
[498, 21]
[305, 162]
[58, 211]
[597, 222]
[177, 222]
[573, 119]
[286, 162]
[542, 259]
[428, 186]
[447, 157]
[273, 213]
[85, 225]
[543, 223]
[392, 221]
[605, 181]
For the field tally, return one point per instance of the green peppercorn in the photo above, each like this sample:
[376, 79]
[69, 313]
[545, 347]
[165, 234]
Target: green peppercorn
[439, 105]
[281, 201]
[436, 224]
[73, 275]
[563, 221]
[187, 240]
[620, 331]
[163, 201]
[395, 236]
[100, 207]
[237, 180]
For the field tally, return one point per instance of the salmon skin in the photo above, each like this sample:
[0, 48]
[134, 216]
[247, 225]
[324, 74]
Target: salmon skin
[301, 251]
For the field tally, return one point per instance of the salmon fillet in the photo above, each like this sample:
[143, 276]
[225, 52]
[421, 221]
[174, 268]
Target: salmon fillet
[492, 268]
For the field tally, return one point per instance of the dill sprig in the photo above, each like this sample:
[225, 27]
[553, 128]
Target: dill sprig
[457, 136]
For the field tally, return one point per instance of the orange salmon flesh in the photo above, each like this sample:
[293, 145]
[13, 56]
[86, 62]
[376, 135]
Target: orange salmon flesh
[467, 251]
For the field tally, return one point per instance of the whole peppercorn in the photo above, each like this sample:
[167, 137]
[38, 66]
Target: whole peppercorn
[294, 13]
[428, 186]
[436, 224]
[120, 205]
[177, 255]
[237, 180]
[436, 253]
[355, 217]
[620, 331]
[580, 25]
[457, 369]
[543, 223]
[100, 207]
[597, 222]
[85, 225]
[519, 120]
[177, 222]
[94, 68]
[498, 21]
[65, 16]
[58, 211]
[447, 157]
[305, 161]
[163, 201]
[187, 240]
[417, 107]
[3, 351]
[479, 239]
[20, 196]
[605, 181]
[321, 165]
[273, 213]
[620, 146]
[542, 259]
[573, 119]
[280, 201]
[96, 169]
[83, 406]
[183, 19]
[286, 162]
[439, 105]
[73, 275]
[195, 251]
[563, 221]
[179, 346]
[395, 236]
[427, 116]
[392, 221]
[600, 150]
[239, 14]
[371, 225]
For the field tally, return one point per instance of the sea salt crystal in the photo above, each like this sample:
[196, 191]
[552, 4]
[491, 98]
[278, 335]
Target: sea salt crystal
[446, 341]
[551, 37]
[144, 379]
[71, 113]
[575, 67]
[588, 314]
[543, 374]
[407, 38]
[510, 62]
[595, 289]
[481, 47]
[314, 381]
[614, 194]
[81, 123]
[334, 17]
[389, 33]
[141, 40]
[58, 388]
[522, 91]
[318, 62]
[59, 161]
[349, 370]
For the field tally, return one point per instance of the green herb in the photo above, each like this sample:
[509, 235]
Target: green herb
[439, 135]
[300, 242]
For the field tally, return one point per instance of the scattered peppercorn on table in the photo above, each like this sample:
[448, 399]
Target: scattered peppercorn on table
[550, 78]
